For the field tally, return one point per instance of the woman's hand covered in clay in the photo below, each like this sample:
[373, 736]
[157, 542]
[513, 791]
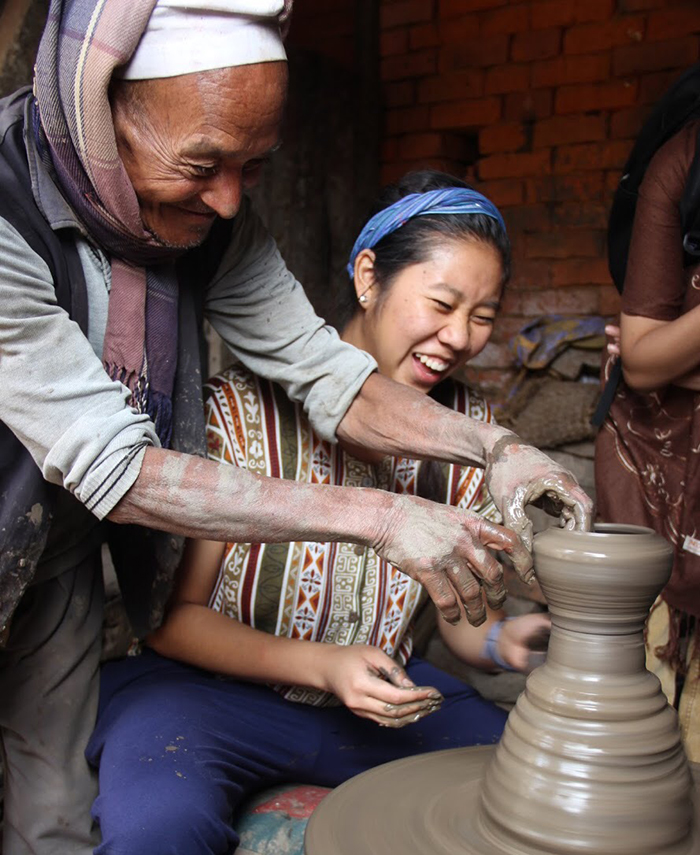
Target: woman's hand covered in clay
[373, 686]
[517, 475]
[515, 642]
[612, 332]
[447, 550]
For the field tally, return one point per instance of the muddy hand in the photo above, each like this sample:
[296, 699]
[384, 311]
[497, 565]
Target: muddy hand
[373, 686]
[518, 475]
[449, 551]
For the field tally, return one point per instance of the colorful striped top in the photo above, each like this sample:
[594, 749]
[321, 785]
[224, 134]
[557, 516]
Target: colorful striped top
[338, 593]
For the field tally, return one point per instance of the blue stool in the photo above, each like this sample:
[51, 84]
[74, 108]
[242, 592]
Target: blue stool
[273, 822]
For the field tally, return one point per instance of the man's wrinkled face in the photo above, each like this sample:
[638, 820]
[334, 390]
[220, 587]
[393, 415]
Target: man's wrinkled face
[192, 144]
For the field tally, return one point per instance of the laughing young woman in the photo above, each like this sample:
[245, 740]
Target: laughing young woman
[325, 625]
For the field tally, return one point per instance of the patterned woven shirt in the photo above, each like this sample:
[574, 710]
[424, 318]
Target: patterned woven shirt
[337, 593]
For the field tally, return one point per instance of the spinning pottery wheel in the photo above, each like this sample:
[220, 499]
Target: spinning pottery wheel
[590, 762]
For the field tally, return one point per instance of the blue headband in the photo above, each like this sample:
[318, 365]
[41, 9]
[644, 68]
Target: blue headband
[451, 200]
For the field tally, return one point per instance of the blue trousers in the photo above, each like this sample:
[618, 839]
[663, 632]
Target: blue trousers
[178, 749]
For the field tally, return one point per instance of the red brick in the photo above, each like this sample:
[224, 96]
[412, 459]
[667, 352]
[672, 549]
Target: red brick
[610, 303]
[528, 218]
[406, 119]
[571, 69]
[640, 5]
[503, 193]
[390, 149]
[515, 165]
[453, 8]
[507, 78]
[592, 97]
[453, 86]
[457, 30]
[509, 19]
[673, 23]
[563, 130]
[493, 356]
[508, 327]
[413, 146]
[466, 114]
[408, 65]
[507, 136]
[510, 305]
[626, 124]
[594, 10]
[653, 86]
[531, 274]
[392, 42]
[655, 56]
[605, 155]
[575, 243]
[576, 215]
[527, 106]
[405, 12]
[424, 36]
[563, 301]
[480, 53]
[492, 383]
[391, 172]
[553, 13]
[399, 94]
[590, 38]
[574, 271]
[565, 188]
[611, 181]
[536, 44]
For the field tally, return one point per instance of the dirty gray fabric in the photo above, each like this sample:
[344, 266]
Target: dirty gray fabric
[48, 702]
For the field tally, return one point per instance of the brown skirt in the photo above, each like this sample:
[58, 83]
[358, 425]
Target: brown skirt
[647, 468]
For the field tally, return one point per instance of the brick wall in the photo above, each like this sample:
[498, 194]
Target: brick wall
[537, 102]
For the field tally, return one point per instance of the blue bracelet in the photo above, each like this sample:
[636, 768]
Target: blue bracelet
[490, 648]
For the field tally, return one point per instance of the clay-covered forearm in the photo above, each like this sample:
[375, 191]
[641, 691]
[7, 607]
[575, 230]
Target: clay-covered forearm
[202, 637]
[187, 495]
[656, 353]
[395, 419]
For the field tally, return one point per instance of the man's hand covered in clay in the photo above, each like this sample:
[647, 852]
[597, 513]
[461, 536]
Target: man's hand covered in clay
[518, 475]
[414, 538]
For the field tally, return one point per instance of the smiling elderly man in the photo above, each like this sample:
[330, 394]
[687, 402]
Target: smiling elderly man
[123, 222]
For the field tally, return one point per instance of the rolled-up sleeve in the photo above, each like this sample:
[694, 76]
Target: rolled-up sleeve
[55, 396]
[262, 313]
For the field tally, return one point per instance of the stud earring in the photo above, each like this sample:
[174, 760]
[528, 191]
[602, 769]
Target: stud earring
[363, 298]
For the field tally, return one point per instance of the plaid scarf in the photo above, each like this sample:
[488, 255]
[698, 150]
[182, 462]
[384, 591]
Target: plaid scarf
[83, 42]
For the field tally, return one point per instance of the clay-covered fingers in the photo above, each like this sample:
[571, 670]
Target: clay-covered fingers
[562, 495]
[513, 543]
[409, 706]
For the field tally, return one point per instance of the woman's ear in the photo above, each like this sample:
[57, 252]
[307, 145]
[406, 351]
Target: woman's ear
[364, 277]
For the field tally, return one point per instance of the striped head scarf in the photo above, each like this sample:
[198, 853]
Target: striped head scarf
[83, 44]
[451, 200]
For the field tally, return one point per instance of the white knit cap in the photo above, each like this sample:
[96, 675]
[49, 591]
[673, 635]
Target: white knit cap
[186, 36]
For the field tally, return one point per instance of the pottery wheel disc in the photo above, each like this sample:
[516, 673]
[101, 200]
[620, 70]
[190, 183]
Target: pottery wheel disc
[422, 805]
[419, 805]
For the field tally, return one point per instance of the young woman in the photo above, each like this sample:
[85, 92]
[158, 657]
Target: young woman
[647, 462]
[325, 625]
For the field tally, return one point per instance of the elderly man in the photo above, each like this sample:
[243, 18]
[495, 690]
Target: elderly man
[123, 221]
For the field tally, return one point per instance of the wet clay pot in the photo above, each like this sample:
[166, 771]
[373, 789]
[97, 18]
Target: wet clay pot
[590, 762]
[592, 749]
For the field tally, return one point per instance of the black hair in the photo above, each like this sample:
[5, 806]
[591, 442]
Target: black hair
[413, 242]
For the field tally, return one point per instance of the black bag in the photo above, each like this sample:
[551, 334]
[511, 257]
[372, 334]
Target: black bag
[680, 105]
